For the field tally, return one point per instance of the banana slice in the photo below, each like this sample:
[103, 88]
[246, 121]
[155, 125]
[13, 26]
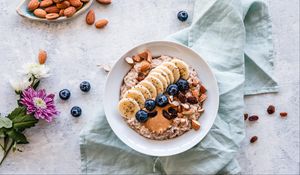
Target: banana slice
[146, 93]
[161, 78]
[168, 72]
[135, 95]
[183, 68]
[164, 74]
[128, 107]
[157, 83]
[171, 66]
[151, 88]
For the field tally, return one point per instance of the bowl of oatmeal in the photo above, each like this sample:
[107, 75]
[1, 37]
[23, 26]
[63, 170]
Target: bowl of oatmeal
[161, 98]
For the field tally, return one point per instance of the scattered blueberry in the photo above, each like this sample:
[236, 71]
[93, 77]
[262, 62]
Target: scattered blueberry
[161, 100]
[182, 84]
[172, 89]
[141, 116]
[64, 94]
[182, 15]
[150, 104]
[85, 86]
[76, 111]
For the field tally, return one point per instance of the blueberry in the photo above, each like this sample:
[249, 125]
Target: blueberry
[172, 89]
[182, 84]
[161, 100]
[64, 94]
[141, 116]
[76, 111]
[182, 15]
[85, 86]
[150, 104]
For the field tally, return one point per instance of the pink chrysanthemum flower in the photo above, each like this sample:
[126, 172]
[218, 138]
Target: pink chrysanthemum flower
[39, 103]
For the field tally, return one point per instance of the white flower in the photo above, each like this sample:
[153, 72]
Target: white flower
[39, 71]
[20, 84]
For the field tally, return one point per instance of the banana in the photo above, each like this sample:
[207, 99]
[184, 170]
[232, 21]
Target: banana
[183, 68]
[146, 93]
[161, 72]
[161, 78]
[150, 87]
[157, 83]
[128, 107]
[135, 95]
[171, 66]
[168, 72]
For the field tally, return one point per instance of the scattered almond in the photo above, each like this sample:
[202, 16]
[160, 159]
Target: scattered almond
[105, 2]
[40, 13]
[42, 56]
[145, 66]
[195, 125]
[101, 23]
[33, 4]
[90, 17]
[129, 60]
[46, 3]
[143, 55]
[52, 16]
[174, 103]
[70, 11]
[52, 9]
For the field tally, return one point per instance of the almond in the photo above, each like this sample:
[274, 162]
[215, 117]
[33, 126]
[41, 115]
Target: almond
[42, 56]
[75, 3]
[40, 13]
[90, 17]
[46, 3]
[136, 58]
[33, 4]
[195, 93]
[52, 9]
[189, 112]
[63, 5]
[61, 12]
[70, 11]
[185, 106]
[202, 89]
[51, 16]
[105, 2]
[195, 125]
[58, 1]
[143, 55]
[129, 60]
[145, 66]
[101, 23]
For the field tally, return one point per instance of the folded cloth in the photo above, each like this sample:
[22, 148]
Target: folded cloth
[234, 37]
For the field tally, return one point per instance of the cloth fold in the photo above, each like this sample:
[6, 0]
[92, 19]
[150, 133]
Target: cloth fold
[235, 39]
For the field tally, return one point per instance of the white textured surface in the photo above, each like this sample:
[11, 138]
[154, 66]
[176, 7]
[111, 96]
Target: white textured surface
[74, 50]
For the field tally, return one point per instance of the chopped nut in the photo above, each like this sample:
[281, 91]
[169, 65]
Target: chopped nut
[195, 125]
[129, 60]
[192, 100]
[105, 67]
[174, 103]
[145, 66]
[141, 76]
[179, 109]
[136, 58]
[201, 110]
[202, 89]
[202, 98]
[185, 106]
[189, 112]
[195, 93]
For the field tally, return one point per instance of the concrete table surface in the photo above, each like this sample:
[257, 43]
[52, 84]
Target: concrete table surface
[75, 49]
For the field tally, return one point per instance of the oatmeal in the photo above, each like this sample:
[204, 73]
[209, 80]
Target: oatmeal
[161, 97]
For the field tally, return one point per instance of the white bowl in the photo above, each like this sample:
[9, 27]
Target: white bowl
[155, 147]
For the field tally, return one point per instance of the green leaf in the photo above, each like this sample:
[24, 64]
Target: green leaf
[17, 136]
[21, 120]
[5, 122]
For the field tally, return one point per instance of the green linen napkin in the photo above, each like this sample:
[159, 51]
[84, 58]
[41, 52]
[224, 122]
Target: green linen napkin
[235, 39]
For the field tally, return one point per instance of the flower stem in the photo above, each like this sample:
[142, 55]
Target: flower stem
[6, 152]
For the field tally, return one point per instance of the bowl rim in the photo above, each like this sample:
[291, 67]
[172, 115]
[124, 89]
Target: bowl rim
[172, 43]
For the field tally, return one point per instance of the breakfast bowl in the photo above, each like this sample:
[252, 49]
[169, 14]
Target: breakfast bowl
[157, 142]
[22, 10]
